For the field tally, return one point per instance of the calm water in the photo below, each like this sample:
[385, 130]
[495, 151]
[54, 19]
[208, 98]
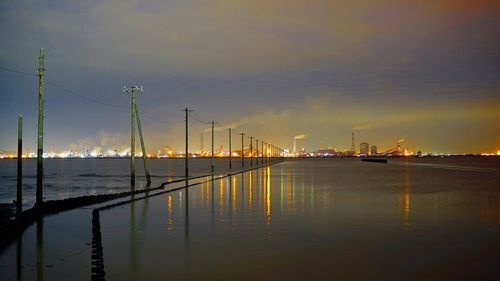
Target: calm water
[66, 178]
[325, 219]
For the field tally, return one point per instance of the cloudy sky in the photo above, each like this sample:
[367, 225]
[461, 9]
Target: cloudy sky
[425, 71]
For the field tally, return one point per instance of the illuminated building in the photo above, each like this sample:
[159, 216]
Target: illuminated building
[363, 148]
[353, 145]
[373, 150]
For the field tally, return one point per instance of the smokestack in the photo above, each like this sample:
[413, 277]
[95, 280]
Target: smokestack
[297, 137]
[353, 146]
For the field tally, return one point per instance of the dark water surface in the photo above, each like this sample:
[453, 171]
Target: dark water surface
[323, 219]
[65, 178]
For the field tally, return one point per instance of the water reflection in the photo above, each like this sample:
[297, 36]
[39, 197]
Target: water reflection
[490, 211]
[290, 190]
[243, 191]
[268, 194]
[39, 249]
[213, 201]
[19, 258]
[250, 193]
[303, 207]
[233, 197]
[404, 199]
[132, 243]
[221, 197]
[302, 203]
[186, 222]
[170, 220]
[136, 228]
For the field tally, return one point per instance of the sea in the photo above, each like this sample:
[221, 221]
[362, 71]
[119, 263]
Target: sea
[73, 177]
[430, 218]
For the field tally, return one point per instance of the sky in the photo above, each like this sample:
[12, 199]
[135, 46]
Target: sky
[424, 71]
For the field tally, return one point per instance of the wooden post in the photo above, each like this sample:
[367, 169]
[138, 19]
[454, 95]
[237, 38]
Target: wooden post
[143, 146]
[251, 151]
[19, 198]
[212, 154]
[39, 156]
[242, 150]
[230, 149]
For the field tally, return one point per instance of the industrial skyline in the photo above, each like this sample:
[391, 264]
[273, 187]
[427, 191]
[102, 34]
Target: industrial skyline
[426, 71]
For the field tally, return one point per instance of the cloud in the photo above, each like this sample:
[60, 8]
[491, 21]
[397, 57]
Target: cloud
[365, 126]
[104, 139]
[382, 67]
[219, 37]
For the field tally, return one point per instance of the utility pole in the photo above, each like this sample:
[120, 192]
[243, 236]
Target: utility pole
[242, 150]
[267, 153]
[39, 157]
[257, 152]
[271, 155]
[213, 169]
[132, 91]
[251, 151]
[143, 146]
[19, 198]
[186, 158]
[262, 149]
[201, 143]
[230, 150]
[274, 152]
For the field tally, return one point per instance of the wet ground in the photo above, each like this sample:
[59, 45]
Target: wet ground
[315, 219]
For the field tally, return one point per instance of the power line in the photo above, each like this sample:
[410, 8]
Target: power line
[82, 96]
[198, 118]
[17, 71]
[62, 88]
[66, 90]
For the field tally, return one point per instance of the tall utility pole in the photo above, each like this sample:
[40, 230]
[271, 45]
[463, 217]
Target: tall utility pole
[271, 154]
[251, 151]
[264, 156]
[262, 149]
[132, 91]
[19, 198]
[266, 149]
[353, 146]
[143, 146]
[186, 156]
[267, 153]
[257, 152]
[39, 156]
[242, 150]
[201, 143]
[212, 154]
[230, 150]
[273, 151]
